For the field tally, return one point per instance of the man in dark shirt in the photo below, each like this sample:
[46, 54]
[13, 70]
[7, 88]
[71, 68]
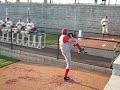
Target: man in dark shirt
[104, 2]
[95, 1]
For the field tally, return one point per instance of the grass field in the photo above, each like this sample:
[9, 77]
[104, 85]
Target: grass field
[4, 61]
[51, 39]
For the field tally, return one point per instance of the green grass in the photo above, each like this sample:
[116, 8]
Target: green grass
[51, 39]
[4, 61]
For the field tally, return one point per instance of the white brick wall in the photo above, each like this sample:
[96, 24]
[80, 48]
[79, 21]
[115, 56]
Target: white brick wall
[77, 17]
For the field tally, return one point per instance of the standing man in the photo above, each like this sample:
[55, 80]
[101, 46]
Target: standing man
[76, 1]
[104, 23]
[103, 2]
[66, 43]
[95, 1]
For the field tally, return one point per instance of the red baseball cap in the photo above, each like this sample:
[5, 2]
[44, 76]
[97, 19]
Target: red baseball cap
[64, 30]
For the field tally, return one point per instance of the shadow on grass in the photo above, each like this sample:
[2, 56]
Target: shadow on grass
[4, 61]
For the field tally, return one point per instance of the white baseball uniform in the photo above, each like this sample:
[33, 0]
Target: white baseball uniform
[104, 23]
[66, 42]
[19, 26]
[8, 25]
[28, 27]
[65, 47]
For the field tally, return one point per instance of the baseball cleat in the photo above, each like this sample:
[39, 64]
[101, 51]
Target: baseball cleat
[66, 78]
[81, 50]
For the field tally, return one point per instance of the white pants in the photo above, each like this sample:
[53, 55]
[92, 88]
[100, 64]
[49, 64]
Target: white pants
[24, 33]
[105, 29]
[66, 52]
[14, 30]
[5, 30]
[67, 56]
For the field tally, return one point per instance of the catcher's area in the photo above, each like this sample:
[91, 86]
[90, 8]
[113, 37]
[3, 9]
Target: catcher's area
[24, 76]
[98, 42]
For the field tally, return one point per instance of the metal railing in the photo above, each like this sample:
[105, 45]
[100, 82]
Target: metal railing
[34, 40]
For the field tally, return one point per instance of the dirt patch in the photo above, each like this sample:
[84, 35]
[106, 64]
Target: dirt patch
[24, 76]
[27, 78]
[12, 81]
[98, 42]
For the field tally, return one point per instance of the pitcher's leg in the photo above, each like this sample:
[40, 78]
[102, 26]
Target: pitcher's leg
[68, 61]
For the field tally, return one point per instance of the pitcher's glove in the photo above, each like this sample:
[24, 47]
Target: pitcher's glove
[71, 35]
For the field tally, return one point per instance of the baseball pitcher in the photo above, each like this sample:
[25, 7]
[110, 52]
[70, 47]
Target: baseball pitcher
[66, 42]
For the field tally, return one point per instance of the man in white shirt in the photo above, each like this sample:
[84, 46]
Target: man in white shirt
[8, 23]
[103, 2]
[29, 27]
[104, 23]
[66, 42]
[19, 25]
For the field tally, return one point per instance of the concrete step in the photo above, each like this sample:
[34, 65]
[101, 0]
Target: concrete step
[116, 63]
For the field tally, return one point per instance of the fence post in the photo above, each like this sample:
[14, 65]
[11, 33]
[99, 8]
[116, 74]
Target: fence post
[11, 40]
[58, 49]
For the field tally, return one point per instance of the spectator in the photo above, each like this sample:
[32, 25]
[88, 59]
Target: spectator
[104, 23]
[104, 2]
[19, 25]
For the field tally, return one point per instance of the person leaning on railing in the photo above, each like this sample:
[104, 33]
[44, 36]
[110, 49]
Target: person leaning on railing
[29, 28]
[19, 25]
[7, 25]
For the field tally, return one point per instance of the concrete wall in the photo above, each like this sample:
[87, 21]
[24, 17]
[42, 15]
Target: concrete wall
[72, 16]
